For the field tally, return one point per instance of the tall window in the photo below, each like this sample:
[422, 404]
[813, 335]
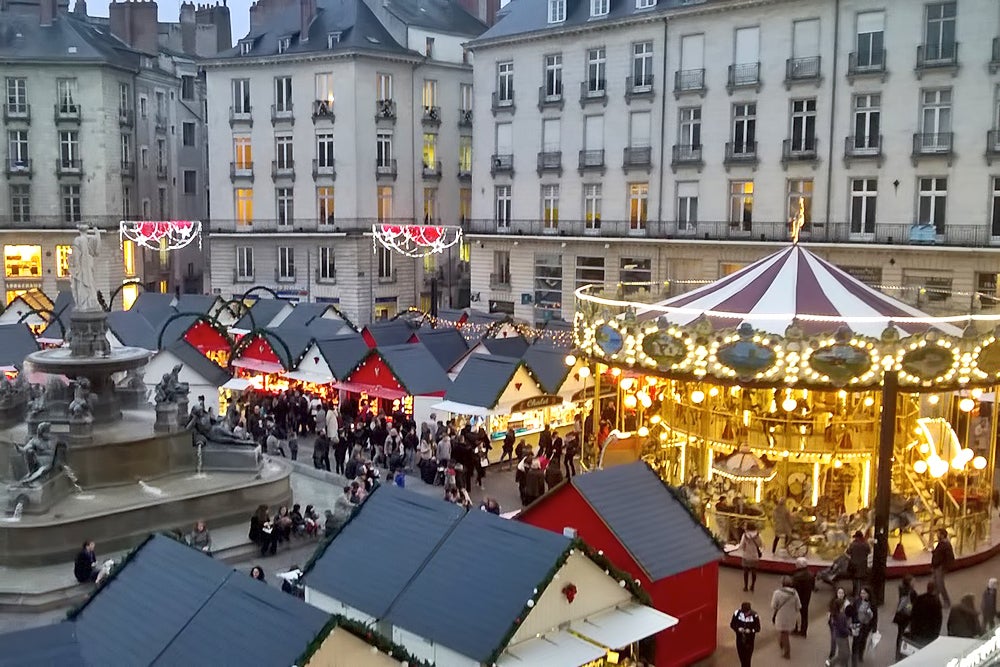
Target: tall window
[384, 203]
[744, 128]
[125, 96]
[465, 93]
[867, 121]
[635, 274]
[383, 86]
[327, 263]
[864, 197]
[66, 92]
[638, 205]
[995, 226]
[940, 31]
[17, 95]
[241, 96]
[384, 262]
[501, 267]
[283, 94]
[286, 263]
[464, 204]
[548, 286]
[244, 206]
[324, 89]
[599, 7]
[283, 152]
[642, 65]
[20, 203]
[557, 11]
[187, 134]
[741, 205]
[324, 150]
[187, 87]
[689, 128]
[242, 153]
[592, 198]
[62, 260]
[17, 149]
[284, 199]
[639, 129]
[465, 154]
[69, 148]
[871, 40]
[383, 149]
[597, 63]
[325, 204]
[553, 76]
[244, 262]
[71, 205]
[502, 206]
[589, 271]
[551, 135]
[430, 150]
[550, 206]
[687, 206]
[505, 83]
[127, 202]
[932, 201]
[161, 154]
[429, 94]
[190, 181]
[935, 119]
[803, 125]
[800, 195]
[430, 205]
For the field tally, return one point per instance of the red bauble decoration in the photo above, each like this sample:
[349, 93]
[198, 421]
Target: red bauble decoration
[569, 590]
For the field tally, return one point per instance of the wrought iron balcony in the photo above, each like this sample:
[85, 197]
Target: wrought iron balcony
[639, 87]
[67, 113]
[861, 147]
[502, 164]
[323, 110]
[799, 70]
[933, 56]
[327, 170]
[17, 113]
[741, 153]
[637, 157]
[465, 117]
[686, 155]
[743, 75]
[867, 64]
[385, 169]
[327, 277]
[240, 170]
[385, 110]
[432, 116]
[933, 144]
[549, 161]
[550, 99]
[283, 169]
[240, 116]
[431, 170]
[126, 117]
[282, 115]
[594, 91]
[160, 123]
[689, 81]
[15, 167]
[505, 103]
[799, 150]
[69, 167]
[591, 161]
[128, 169]
[465, 171]
[161, 171]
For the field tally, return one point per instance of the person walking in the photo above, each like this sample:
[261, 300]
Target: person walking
[804, 583]
[840, 633]
[925, 623]
[941, 559]
[904, 610]
[785, 607]
[507, 450]
[864, 621]
[782, 520]
[989, 607]
[751, 548]
[746, 624]
[963, 619]
[572, 451]
[836, 605]
[857, 555]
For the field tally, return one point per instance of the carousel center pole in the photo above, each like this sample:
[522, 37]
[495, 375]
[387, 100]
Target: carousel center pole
[883, 484]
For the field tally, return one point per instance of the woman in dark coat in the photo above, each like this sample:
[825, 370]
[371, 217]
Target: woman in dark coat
[904, 610]
[262, 531]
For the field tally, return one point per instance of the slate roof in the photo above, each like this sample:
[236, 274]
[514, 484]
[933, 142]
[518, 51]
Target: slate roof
[662, 537]
[46, 646]
[415, 368]
[437, 15]
[171, 605]
[303, 313]
[63, 307]
[263, 311]
[153, 303]
[132, 329]
[482, 379]
[548, 364]
[175, 329]
[393, 332]
[16, 343]
[22, 39]
[199, 363]
[323, 328]
[463, 607]
[297, 338]
[386, 543]
[203, 304]
[522, 17]
[343, 353]
[511, 346]
[446, 344]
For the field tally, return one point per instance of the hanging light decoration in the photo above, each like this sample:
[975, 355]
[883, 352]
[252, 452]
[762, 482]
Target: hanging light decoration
[920, 466]
[966, 404]
[789, 404]
[979, 462]
[697, 396]
[570, 360]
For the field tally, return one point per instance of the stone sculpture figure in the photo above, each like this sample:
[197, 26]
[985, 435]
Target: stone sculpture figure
[82, 259]
[42, 456]
[37, 404]
[178, 390]
[207, 431]
[6, 389]
[162, 392]
[79, 407]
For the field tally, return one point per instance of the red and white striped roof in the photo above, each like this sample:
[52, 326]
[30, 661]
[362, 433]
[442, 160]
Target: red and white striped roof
[794, 284]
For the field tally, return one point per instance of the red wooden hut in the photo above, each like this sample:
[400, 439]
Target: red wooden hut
[645, 529]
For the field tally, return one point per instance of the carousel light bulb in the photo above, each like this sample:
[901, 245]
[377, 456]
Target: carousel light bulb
[697, 396]
[979, 462]
[933, 399]
[627, 383]
[967, 454]
[842, 394]
[837, 463]
[966, 405]
[663, 437]
[924, 448]
[630, 401]
[647, 402]
[643, 432]
[976, 393]
[713, 392]
[650, 380]
[789, 404]
[616, 372]
[734, 391]
[655, 419]
[570, 360]
[869, 401]
[920, 466]
[642, 396]
[584, 372]
[939, 468]
[957, 463]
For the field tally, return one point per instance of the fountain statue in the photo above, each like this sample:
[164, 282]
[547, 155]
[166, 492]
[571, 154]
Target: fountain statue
[207, 431]
[79, 408]
[41, 457]
[86, 248]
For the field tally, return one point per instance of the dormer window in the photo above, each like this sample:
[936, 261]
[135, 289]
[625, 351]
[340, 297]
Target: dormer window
[645, 4]
[284, 43]
[332, 39]
[245, 48]
[599, 7]
[557, 11]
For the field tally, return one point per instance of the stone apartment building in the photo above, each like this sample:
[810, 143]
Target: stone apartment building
[645, 142]
[103, 121]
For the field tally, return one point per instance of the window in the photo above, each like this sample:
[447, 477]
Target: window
[187, 87]
[325, 155]
[465, 93]
[599, 7]
[17, 95]
[244, 206]
[284, 198]
[429, 47]
[126, 202]
[465, 154]
[332, 39]
[244, 262]
[429, 152]
[246, 47]
[557, 11]
[71, 205]
[803, 130]
[283, 94]
[20, 203]
[800, 194]
[242, 153]
[932, 201]
[143, 107]
[867, 121]
[741, 205]
[501, 267]
[190, 181]
[429, 94]
[161, 201]
[161, 154]
[864, 197]
[548, 286]
[241, 96]
[325, 204]
[283, 152]
[62, 260]
[505, 83]
[187, 134]
[284, 43]
[871, 41]
[144, 157]
[551, 135]
[22, 261]
[689, 128]
[745, 128]
[642, 66]
[995, 224]
[383, 86]
[930, 286]
[639, 129]
[327, 263]
[502, 207]
[592, 205]
[324, 91]
[687, 206]
[124, 96]
[986, 288]
[69, 148]
[553, 77]
[286, 263]
[430, 205]
[645, 4]
[147, 210]
[935, 120]
[589, 271]
[940, 31]
[384, 203]
[385, 269]
[635, 275]
[746, 57]
[464, 204]
[383, 149]
[597, 62]
[66, 94]
[638, 205]
[593, 133]
[550, 206]
[17, 150]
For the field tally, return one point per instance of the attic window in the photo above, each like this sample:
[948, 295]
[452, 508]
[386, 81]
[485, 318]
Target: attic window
[284, 43]
[245, 48]
[372, 40]
[332, 39]
[645, 4]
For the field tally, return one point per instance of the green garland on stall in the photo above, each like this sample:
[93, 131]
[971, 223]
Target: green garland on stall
[366, 634]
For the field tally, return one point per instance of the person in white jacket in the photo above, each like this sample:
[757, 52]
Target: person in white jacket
[333, 425]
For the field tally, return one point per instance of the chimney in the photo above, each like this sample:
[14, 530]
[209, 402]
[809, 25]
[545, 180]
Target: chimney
[307, 11]
[80, 7]
[135, 23]
[46, 12]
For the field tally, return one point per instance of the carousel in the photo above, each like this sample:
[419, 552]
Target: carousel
[785, 384]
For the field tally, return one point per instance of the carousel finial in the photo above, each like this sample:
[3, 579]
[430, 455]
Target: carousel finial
[798, 221]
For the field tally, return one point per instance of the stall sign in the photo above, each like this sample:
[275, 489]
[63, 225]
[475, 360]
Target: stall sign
[536, 403]
[984, 654]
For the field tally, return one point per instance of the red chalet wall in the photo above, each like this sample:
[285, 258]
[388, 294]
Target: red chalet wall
[375, 373]
[691, 596]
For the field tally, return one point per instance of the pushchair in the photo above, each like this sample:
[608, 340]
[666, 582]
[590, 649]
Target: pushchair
[837, 570]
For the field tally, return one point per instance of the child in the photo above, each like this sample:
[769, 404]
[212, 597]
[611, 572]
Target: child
[450, 479]
[990, 604]
[400, 478]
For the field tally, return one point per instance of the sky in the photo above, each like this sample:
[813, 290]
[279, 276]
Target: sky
[239, 12]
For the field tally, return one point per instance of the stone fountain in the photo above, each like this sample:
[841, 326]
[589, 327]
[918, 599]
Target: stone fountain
[90, 458]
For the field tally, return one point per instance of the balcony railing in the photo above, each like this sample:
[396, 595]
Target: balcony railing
[465, 170]
[995, 55]
[282, 115]
[161, 171]
[933, 143]
[992, 145]
[126, 117]
[550, 99]
[863, 147]
[242, 115]
[17, 113]
[866, 64]
[128, 168]
[799, 150]
[465, 117]
[591, 161]
[502, 164]
[238, 170]
[385, 110]
[689, 81]
[802, 69]
[595, 91]
[284, 169]
[160, 122]
[432, 115]
[69, 167]
[302, 225]
[638, 86]
[326, 170]
[243, 276]
[386, 169]
[67, 113]
[431, 170]
[18, 167]
[550, 161]
[505, 103]
[741, 153]
[930, 56]
[743, 75]
[58, 222]
[637, 157]
[323, 110]
[686, 155]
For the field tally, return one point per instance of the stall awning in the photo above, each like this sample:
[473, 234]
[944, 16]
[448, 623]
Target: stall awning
[461, 408]
[370, 389]
[622, 626]
[939, 652]
[258, 365]
[308, 376]
[560, 649]
[237, 384]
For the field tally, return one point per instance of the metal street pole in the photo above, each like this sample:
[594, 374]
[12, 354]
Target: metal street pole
[883, 484]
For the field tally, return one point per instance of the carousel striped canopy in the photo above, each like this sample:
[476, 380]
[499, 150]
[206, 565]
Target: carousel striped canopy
[794, 284]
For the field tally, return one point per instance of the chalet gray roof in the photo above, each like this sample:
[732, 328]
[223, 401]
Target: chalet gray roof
[63, 308]
[67, 40]
[343, 353]
[303, 313]
[482, 380]
[16, 343]
[132, 329]
[45, 646]
[548, 363]
[199, 363]
[203, 304]
[261, 313]
[446, 344]
[511, 346]
[415, 368]
[392, 332]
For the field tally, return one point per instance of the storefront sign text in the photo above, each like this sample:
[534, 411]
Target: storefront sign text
[536, 403]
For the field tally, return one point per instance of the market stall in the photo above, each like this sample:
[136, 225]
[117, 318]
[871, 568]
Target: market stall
[202, 375]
